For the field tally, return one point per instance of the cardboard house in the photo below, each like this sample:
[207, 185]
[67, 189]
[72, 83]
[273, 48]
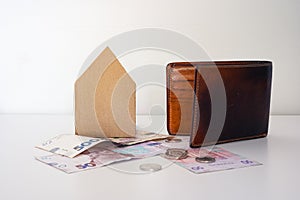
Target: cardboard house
[105, 99]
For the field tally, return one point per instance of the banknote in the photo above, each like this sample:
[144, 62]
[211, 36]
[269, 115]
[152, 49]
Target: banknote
[139, 138]
[142, 150]
[224, 160]
[92, 158]
[69, 145]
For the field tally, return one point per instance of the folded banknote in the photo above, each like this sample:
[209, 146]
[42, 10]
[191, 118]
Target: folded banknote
[104, 153]
[69, 145]
[92, 158]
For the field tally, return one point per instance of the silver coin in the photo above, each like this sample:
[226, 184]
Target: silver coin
[176, 153]
[205, 159]
[174, 157]
[150, 167]
[173, 140]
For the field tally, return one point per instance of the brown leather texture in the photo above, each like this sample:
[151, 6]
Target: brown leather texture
[247, 86]
[180, 97]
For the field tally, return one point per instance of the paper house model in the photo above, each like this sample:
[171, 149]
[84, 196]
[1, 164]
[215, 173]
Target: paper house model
[105, 99]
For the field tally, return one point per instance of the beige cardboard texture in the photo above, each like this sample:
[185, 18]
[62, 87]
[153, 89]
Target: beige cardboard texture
[105, 99]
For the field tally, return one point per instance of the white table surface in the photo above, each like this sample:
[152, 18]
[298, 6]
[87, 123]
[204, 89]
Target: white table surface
[23, 177]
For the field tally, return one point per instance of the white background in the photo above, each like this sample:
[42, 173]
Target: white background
[44, 43]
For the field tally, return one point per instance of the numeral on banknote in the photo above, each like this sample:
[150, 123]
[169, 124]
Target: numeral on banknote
[85, 144]
[197, 168]
[86, 165]
[246, 162]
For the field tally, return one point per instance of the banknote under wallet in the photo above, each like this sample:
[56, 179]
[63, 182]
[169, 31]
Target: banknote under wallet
[218, 102]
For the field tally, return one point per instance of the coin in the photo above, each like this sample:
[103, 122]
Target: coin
[173, 140]
[174, 158]
[176, 153]
[205, 159]
[150, 167]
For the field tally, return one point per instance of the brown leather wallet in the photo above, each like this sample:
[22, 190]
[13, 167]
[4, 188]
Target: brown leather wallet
[247, 89]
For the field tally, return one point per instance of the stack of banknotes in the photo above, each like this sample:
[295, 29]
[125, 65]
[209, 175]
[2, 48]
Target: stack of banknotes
[73, 153]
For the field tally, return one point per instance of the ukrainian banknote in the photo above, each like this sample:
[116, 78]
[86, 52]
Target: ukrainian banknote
[92, 158]
[142, 150]
[224, 160]
[69, 145]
